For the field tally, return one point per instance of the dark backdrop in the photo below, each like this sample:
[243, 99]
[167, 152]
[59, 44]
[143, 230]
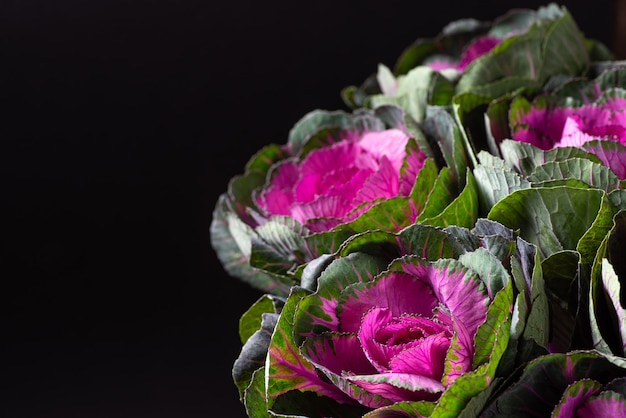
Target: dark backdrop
[122, 122]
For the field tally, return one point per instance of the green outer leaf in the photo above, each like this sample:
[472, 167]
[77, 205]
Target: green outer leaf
[231, 239]
[597, 299]
[592, 173]
[601, 272]
[373, 242]
[552, 218]
[326, 242]
[546, 49]
[612, 287]
[463, 211]
[494, 184]
[265, 158]
[250, 321]
[253, 353]
[425, 241]
[618, 198]
[530, 318]
[296, 404]
[313, 122]
[441, 195]
[412, 91]
[525, 158]
[280, 246]
[590, 242]
[469, 111]
[492, 337]
[254, 400]
[489, 268]
[442, 127]
[560, 272]
[285, 364]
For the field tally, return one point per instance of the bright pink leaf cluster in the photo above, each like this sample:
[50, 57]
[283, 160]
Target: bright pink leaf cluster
[335, 184]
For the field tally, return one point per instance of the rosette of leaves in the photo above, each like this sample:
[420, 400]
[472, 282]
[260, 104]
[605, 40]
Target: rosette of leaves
[427, 321]
[582, 113]
[481, 61]
[270, 251]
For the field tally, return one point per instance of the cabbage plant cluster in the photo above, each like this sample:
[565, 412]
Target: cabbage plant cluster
[450, 244]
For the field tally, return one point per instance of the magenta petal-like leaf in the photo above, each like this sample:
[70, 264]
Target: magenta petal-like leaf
[401, 293]
[337, 353]
[458, 289]
[385, 183]
[323, 207]
[476, 49]
[426, 358]
[390, 144]
[406, 344]
[400, 387]
[343, 154]
[415, 160]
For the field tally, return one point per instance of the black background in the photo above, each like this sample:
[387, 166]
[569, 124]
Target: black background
[122, 122]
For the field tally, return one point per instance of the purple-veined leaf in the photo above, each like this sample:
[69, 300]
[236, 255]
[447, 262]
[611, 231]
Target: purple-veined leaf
[394, 290]
[332, 353]
[286, 368]
[611, 403]
[456, 287]
[468, 394]
[491, 342]
[611, 153]
[545, 379]
[575, 396]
